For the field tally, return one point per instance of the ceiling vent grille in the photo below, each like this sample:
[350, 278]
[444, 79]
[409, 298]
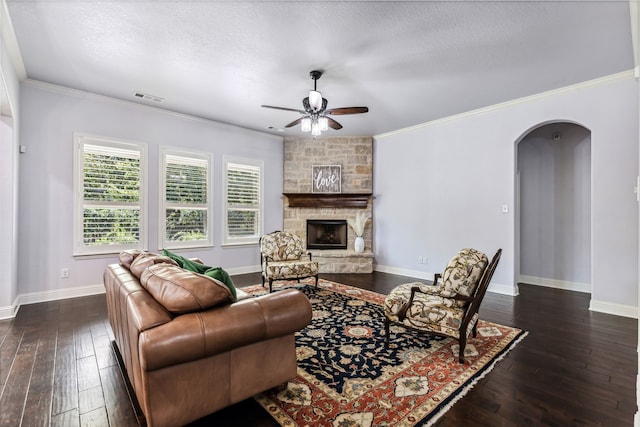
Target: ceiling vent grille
[148, 97]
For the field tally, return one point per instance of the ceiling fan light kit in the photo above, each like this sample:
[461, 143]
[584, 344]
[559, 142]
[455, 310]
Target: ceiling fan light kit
[314, 116]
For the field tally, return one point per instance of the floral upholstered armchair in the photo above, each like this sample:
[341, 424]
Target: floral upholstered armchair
[448, 307]
[283, 258]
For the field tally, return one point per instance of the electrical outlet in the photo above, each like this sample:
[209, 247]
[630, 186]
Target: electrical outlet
[64, 273]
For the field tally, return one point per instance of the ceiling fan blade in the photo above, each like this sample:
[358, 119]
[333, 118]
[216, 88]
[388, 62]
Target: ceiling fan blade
[293, 123]
[348, 110]
[333, 124]
[284, 108]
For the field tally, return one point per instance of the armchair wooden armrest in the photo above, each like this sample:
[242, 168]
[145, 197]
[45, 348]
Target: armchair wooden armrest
[459, 297]
[402, 313]
[436, 277]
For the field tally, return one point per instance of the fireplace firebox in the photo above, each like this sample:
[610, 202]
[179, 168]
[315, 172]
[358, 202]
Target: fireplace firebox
[326, 234]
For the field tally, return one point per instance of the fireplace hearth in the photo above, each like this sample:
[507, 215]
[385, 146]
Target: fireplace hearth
[327, 234]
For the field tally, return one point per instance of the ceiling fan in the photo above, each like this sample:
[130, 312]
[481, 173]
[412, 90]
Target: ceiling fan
[314, 116]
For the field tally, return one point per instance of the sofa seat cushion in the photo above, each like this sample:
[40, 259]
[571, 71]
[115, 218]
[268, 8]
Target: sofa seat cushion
[181, 291]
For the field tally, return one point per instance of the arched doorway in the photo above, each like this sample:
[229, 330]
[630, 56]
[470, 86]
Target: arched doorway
[553, 230]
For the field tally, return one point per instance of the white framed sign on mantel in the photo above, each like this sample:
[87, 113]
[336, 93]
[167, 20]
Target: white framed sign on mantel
[326, 178]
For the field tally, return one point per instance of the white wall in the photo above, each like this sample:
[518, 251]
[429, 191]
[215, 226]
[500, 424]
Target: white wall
[441, 186]
[49, 117]
[555, 205]
[8, 217]
[9, 112]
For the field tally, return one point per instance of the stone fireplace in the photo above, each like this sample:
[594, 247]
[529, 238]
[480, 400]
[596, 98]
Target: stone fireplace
[354, 155]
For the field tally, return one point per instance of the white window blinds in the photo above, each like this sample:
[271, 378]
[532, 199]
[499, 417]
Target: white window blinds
[186, 220]
[243, 204]
[109, 211]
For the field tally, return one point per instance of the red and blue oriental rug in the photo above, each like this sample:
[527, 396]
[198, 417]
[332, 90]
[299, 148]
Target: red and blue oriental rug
[347, 378]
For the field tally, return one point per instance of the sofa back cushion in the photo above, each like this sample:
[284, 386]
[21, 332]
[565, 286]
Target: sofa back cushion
[216, 272]
[127, 257]
[181, 291]
[146, 259]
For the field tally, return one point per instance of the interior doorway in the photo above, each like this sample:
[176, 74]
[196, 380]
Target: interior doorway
[553, 222]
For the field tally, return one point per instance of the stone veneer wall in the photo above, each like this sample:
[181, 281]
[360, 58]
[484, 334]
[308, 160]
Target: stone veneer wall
[355, 156]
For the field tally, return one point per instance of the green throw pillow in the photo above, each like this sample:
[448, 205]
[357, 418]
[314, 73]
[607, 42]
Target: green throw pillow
[214, 272]
[222, 276]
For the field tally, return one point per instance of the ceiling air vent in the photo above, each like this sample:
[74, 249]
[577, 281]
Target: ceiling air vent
[148, 97]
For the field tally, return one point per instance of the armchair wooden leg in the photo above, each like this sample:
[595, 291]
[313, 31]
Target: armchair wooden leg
[316, 276]
[270, 285]
[462, 342]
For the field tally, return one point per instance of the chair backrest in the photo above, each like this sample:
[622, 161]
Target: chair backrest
[481, 290]
[463, 273]
[281, 246]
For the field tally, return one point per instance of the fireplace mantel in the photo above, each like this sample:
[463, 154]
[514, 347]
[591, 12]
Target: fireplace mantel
[328, 200]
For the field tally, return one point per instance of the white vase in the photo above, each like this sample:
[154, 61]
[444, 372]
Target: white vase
[359, 244]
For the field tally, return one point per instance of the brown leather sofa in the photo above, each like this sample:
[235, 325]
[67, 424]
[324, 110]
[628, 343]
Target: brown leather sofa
[187, 347]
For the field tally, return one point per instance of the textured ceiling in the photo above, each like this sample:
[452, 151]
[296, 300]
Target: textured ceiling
[409, 62]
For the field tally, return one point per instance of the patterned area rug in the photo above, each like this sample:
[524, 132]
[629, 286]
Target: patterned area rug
[347, 378]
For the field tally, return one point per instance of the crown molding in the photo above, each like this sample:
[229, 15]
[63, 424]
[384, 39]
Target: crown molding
[624, 75]
[77, 93]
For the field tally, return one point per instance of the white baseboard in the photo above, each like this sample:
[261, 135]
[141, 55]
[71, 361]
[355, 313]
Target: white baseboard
[558, 284]
[8, 312]
[594, 305]
[499, 288]
[243, 270]
[56, 294]
[493, 287]
[45, 296]
[613, 308]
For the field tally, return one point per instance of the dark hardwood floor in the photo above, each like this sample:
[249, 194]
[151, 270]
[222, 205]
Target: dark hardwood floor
[575, 368]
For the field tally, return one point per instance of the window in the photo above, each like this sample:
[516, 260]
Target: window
[110, 196]
[243, 201]
[186, 205]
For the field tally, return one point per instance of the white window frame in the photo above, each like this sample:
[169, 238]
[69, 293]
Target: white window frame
[163, 205]
[79, 141]
[249, 240]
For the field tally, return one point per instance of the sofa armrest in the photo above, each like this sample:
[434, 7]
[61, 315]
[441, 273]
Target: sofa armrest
[145, 312]
[203, 334]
